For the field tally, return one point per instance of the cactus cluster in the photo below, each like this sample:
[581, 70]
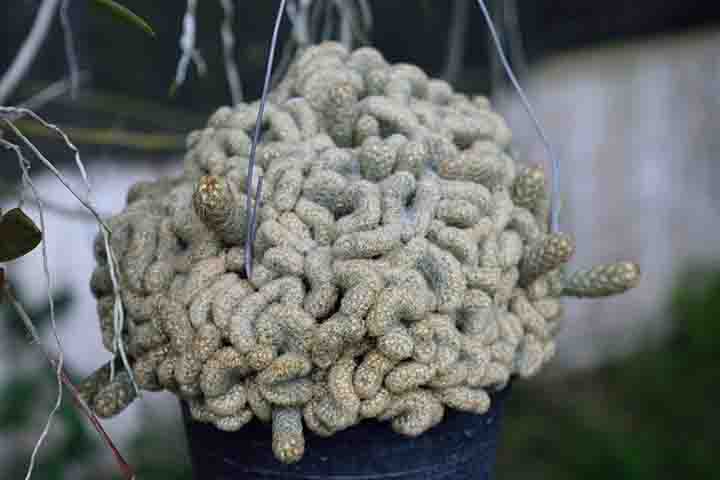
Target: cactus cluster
[402, 261]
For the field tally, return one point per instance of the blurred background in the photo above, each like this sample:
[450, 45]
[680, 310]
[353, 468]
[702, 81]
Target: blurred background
[629, 93]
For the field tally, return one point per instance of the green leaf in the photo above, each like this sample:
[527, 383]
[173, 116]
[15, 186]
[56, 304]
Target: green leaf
[126, 15]
[172, 91]
[18, 235]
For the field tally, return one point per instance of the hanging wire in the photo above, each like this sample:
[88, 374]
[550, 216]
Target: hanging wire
[250, 208]
[555, 164]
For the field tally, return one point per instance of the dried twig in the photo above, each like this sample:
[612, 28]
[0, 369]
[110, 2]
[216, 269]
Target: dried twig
[298, 11]
[70, 52]
[53, 91]
[187, 47]
[6, 292]
[346, 13]
[85, 201]
[118, 313]
[24, 167]
[456, 40]
[25, 57]
[51, 205]
[228, 44]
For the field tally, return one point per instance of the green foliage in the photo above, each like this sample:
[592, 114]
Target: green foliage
[24, 396]
[39, 313]
[698, 310]
[161, 452]
[124, 14]
[15, 410]
[27, 395]
[76, 445]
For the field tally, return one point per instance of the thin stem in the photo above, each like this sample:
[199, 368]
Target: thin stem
[228, 44]
[75, 394]
[53, 92]
[52, 168]
[25, 57]
[187, 47]
[366, 15]
[23, 163]
[346, 13]
[118, 313]
[70, 52]
[298, 11]
[456, 40]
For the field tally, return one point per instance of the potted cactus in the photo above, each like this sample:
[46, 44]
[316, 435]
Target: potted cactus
[403, 273]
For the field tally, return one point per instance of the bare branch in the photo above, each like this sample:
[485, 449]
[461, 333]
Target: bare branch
[456, 41]
[83, 173]
[49, 204]
[118, 312]
[187, 47]
[6, 291]
[228, 44]
[287, 54]
[23, 163]
[366, 15]
[346, 12]
[28, 51]
[70, 52]
[298, 11]
[50, 93]
[77, 214]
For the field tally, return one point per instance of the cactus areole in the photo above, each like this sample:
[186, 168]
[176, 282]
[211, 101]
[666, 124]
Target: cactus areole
[402, 263]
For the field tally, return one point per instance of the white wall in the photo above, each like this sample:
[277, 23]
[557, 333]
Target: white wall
[637, 129]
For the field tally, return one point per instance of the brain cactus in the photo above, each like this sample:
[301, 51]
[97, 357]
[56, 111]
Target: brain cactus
[402, 260]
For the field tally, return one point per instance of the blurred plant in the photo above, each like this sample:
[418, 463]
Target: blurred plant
[30, 379]
[73, 451]
[124, 14]
[20, 235]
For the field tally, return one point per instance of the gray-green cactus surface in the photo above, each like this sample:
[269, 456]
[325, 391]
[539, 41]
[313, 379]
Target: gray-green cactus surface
[402, 263]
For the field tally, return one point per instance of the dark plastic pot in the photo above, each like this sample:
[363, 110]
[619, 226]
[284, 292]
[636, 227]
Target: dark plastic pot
[461, 447]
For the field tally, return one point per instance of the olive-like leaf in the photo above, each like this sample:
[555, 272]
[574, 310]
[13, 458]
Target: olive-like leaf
[18, 235]
[125, 14]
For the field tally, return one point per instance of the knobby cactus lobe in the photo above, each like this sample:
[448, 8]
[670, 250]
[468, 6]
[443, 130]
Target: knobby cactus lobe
[402, 263]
